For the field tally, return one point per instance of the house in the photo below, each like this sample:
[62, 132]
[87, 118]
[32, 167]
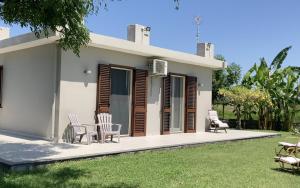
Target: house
[41, 84]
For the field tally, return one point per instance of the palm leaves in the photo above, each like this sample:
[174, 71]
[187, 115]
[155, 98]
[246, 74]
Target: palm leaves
[279, 59]
[281, 83]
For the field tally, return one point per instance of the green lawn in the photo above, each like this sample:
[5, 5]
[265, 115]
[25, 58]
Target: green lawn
[228, 113]
[235, 164]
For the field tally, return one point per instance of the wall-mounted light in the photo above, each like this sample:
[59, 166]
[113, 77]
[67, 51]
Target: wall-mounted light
[201, 85]
[87, 71]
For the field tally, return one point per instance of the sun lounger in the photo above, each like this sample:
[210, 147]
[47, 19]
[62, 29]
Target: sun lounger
[215, 123]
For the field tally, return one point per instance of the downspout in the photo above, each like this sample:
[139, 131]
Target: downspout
[55, 128]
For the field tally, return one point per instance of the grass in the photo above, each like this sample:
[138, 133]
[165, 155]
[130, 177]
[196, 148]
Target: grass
[234, 164]
[228, 113]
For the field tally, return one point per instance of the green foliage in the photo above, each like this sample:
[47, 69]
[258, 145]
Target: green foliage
[245, 101]
[62, 16]
[177, 4]
[65, 17]
[226, 78]
[233, 74]
[282, 84]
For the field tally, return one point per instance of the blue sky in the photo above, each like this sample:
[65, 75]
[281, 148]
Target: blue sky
[242, 30]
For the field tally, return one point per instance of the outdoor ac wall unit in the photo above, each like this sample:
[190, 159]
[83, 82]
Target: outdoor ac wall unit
[158, 67]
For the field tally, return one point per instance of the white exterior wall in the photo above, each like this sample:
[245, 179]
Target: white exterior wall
[204, 76]
[28, 90]
[78, 91]
[30, 104]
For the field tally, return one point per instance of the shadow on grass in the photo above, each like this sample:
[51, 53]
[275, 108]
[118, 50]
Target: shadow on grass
[288, 171]
[61, 177]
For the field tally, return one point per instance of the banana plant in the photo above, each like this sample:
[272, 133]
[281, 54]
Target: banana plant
[282, 84]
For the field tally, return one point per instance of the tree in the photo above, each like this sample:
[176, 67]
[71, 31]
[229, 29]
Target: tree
[283, 87]
[63, 16]
[245, 100]
[224, 78]
[218, 80]
[233, 74]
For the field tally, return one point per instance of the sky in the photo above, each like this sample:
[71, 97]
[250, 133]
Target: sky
[243, 31]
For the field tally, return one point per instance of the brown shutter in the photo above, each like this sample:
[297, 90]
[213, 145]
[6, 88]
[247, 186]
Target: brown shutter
[166, 105]
[190, 104]
[103, 89]
[139, 115]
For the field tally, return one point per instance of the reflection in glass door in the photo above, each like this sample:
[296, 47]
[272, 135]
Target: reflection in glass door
[177, 104]
[120, 100]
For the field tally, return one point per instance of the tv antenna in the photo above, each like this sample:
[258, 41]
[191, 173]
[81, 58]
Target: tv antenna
[198, 20]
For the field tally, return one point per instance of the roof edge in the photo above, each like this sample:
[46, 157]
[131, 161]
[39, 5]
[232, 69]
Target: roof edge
[29, 40]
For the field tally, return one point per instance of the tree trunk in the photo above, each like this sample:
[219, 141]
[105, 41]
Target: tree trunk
[238, 116]
[260, 118]
[244, 123]
[223, 106]
[239, 123]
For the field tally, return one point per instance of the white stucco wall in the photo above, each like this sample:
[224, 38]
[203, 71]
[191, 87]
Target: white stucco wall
[28, 90]
[204, 76]
[30, 103]
[78, 91]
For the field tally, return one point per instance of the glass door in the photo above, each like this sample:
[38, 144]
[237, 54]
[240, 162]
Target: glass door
[177, 104]
[120, 100]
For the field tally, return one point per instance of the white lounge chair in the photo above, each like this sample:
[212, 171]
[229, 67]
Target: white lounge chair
[215, 123]
[287, 148]
[106, 127]
[288, 154]
[88, 130]
[294, 162]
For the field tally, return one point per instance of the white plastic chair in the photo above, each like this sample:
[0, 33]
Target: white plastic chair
[82, 129]
[106, 127]
[215, 123]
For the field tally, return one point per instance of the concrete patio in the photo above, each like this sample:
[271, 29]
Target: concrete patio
[19, 152]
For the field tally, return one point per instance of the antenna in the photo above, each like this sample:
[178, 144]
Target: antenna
[198, 21]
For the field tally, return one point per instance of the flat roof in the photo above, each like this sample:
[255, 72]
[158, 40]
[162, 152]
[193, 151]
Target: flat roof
[29, 40]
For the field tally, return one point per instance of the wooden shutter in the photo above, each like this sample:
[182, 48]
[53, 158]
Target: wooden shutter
[139, 114]
[166, 105]
[103, 89]
[190, 104]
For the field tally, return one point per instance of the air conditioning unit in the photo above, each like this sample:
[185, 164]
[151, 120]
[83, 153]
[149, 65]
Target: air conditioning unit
[158, 67]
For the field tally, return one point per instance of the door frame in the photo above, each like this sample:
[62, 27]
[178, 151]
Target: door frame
[183, 103]
[130, 69]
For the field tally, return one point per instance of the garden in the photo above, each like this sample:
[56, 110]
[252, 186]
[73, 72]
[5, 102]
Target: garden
[267, 97]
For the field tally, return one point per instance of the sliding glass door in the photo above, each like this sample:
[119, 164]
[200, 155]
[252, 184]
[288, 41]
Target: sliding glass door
[120, 100]
[177, 104]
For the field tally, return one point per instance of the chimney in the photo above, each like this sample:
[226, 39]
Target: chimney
[205, 50]
[4, 33]
[139, 34]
